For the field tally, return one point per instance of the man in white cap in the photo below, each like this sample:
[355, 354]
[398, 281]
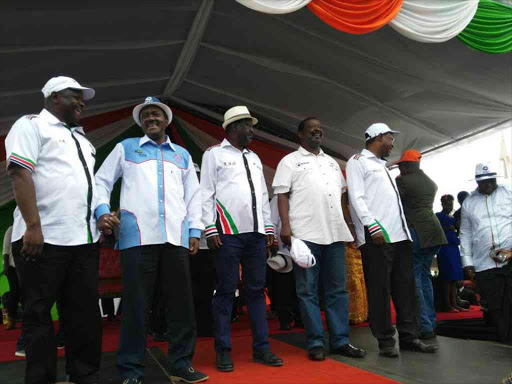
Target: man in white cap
[385, 244]
[313, 208]
[54, 239]
[160, 228]
[486, 246]
[236, 215]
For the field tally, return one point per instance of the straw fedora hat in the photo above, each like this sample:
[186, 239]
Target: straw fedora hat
[280, 263]
[237, 113]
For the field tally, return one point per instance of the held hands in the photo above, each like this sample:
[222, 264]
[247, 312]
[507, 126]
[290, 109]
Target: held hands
[214, 242]
[469, 272]
[106, 223]
[33, 241]
[506, 252]
[378, 238]
[193, 246]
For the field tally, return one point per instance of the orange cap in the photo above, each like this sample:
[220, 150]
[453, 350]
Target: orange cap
[410, 155]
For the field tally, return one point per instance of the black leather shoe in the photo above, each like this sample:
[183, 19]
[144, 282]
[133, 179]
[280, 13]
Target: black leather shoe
[388, 351]
[223, 362]
[417, 345]
[316, 354]
[267, 358]
[349, 350]
[285, 327]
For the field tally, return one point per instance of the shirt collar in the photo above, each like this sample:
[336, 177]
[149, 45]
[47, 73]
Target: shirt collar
[226, 143]
[367, 153]
[145, 139]
[52, 119]
[305, 152]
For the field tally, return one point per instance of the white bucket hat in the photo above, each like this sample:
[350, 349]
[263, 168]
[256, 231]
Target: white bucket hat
[301, 254]
[377, 129]
[280, 263]
[151, 100]
[59, 83]
[484, 171]
[237, 113]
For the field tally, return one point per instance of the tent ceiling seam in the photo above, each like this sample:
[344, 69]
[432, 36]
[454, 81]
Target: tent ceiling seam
[189, 50]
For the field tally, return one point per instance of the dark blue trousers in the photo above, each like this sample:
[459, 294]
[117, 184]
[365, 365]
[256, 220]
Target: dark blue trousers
[249, 249]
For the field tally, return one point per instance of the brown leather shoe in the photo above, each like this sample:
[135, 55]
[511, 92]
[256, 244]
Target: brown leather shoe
[11, 324]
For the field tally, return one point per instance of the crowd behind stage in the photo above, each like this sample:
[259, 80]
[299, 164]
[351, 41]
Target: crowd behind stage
[323, 238]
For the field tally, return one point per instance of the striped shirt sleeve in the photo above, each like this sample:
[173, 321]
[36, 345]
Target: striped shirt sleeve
[22, 144]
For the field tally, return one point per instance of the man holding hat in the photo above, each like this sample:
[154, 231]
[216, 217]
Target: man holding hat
[54, 238]
[385, 244]
[236, 215]
[313, 208]
[160, 227]
[486, 246]
[417, 192]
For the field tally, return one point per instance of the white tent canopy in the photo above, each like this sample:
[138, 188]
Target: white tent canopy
[216, 54]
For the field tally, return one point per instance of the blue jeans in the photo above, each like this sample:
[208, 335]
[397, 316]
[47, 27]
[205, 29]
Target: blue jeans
[250, 250]
[421, 261]
[330, 262]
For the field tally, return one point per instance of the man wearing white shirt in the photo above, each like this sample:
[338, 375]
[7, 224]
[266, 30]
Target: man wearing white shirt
[313, 208]
[486, 246]
[160, 226]
[385, 244]
[54, 238]
[236, 215]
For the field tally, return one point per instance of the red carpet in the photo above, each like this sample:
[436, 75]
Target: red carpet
[240, 329]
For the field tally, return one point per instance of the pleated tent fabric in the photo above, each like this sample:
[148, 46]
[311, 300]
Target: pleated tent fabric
[490, 30]
[276, 7]
[433, 21]
[356, 16]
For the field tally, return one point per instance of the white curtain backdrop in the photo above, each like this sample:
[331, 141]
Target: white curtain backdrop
[433, 21]
[275, 6]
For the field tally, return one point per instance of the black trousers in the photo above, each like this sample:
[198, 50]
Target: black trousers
[202, 271]
[71, 273]
[14, 293]
[144, 268]
[495, 286]
[283, 295]
[388, 274]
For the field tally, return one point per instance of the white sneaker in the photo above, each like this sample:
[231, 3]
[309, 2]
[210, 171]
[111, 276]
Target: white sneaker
[20, 353]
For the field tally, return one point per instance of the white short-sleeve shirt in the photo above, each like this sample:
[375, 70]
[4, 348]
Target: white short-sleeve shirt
[315, 184]
[61, 160]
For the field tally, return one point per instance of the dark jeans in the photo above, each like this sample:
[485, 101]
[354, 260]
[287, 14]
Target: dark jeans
[495, 286]
[250, 250]
[144, 268]
[421, 261]
[388, 274]
[330, 263]
[14, 293]
[73, 271]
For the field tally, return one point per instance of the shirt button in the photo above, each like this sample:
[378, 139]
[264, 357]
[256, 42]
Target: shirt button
[161, 201]
[160, 186]
[254, 207]
[159, 173]
[161, 215]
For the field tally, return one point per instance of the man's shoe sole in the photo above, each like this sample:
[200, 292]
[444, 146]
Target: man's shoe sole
[177, 378]
[261, 361]
[224, 369]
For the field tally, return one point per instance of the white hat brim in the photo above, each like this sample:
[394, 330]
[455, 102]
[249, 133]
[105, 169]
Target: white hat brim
[288, 266]
[87, 93]
[138, 108]
[487, 177]
[239, 117]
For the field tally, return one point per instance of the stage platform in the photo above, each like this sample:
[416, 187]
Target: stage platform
[457, 361]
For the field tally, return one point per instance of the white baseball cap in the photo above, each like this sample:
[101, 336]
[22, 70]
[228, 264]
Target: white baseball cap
[301, 254]
[237, 113]
[151, 100]
[280, 263]
[59, 83]
[484, 171]
[377, 129]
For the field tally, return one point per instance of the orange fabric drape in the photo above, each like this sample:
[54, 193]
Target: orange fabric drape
[356, 16]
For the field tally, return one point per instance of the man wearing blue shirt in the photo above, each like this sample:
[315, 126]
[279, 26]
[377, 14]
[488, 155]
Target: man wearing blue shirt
[160, 227]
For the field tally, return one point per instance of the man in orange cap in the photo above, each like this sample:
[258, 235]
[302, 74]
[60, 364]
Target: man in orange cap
[417, 192]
